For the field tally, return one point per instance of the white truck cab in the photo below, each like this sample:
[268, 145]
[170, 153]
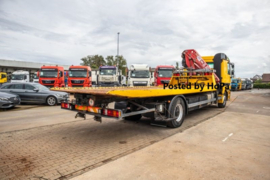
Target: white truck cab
[20, 76]
[36, 78]
[139, 75]
[123, 80]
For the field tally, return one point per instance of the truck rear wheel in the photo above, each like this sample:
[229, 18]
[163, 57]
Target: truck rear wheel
[122, 105]
[177, 110]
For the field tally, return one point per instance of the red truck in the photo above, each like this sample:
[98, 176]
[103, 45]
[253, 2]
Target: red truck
[52, 76]
[79, 76]
[163, 74]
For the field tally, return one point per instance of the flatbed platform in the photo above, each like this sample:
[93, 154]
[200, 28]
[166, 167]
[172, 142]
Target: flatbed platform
[132, 92]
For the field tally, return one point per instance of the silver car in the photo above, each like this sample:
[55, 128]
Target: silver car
[9, 100]
[34, 93]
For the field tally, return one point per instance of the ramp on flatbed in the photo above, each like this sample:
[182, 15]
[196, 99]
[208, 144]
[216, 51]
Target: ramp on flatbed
[132, 92]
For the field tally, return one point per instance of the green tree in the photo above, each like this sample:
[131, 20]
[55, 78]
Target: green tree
[258, 81]
[177, 65]
[110, 61]
[93, 61]
[122, 62]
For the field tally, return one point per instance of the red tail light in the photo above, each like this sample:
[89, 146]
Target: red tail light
[65, 105]
[111, 112]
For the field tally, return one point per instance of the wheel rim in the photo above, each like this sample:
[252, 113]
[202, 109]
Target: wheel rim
[51, 100]
[178, 112]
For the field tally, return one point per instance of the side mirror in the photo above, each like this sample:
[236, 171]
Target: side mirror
[36, 89]
[90, 74]
[232, 72]
[25, 77]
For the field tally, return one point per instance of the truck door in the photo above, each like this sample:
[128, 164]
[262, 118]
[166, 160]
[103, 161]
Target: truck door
[61, 78]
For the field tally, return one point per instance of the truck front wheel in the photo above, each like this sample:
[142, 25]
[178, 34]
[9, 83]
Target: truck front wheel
[177, 110]
[222, 105]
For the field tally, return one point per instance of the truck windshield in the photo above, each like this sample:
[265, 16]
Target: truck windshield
[35, 76]
[107, 71]
[52, 73]
[211, 65]
[165, 72]
[77, 73]
[234, 81]
[139, 74]
[18, 76]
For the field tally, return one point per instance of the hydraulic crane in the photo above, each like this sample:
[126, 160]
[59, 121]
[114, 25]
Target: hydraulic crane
[192, 61]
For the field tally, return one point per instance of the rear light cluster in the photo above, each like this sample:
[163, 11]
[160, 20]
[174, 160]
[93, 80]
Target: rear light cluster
[65, 105]
[81, 108]
[111, 112]
[97, 110]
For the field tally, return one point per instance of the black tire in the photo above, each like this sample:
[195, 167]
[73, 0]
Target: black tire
[122, 105]
[177, 109]
[223, 105]
[51, 101]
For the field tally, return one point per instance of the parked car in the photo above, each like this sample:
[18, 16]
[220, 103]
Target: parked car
[34, 93]
[9, 100]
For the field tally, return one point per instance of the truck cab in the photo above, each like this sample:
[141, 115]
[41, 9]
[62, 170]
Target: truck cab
[3, 78]
[235, 84]
[52, 76]
[249, 84]
[109, 76]
[20, 76]
[79, 76]
[139, 75]
[163, 74]
[36, 77]
[244, 84]
[224, 71]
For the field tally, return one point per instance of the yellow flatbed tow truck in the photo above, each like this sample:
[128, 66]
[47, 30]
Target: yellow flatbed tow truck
[189, 89]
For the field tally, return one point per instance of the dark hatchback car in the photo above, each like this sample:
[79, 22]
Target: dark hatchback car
[8, 100]
[34, 93]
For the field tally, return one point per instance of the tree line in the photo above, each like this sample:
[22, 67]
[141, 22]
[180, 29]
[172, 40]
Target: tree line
[97, 60]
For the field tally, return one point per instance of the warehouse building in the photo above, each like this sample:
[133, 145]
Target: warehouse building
[9, 66]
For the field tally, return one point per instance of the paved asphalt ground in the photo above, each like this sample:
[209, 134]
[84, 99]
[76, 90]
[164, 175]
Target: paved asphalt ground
[41, 142]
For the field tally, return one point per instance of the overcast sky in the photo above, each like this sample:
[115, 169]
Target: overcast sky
[151, 31]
